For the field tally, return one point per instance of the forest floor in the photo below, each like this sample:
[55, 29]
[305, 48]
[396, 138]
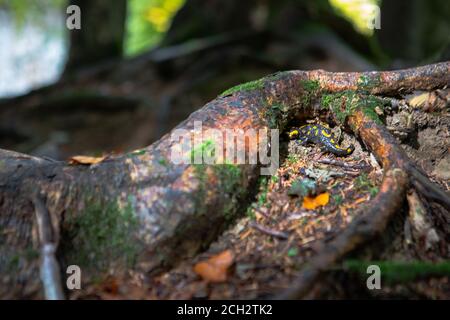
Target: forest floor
[314, 196]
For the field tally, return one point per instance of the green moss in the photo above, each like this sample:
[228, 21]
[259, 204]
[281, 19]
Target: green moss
[261, 198]
[230, 183]
[366, 82]
[205, 149]
[368, 105]
[252, 85]
[338, 199]
[20, 258]
[302, 187]
[400, 272]
[274, 179]
[163, 162]
[292, 252]
[275, 114]
[250, 213]
[311, 86]
[13, 263]
[30, 254]
[292, 158]
[363, 184]
[103, 234]
[343, 104]
[311, 89]
[136, 153]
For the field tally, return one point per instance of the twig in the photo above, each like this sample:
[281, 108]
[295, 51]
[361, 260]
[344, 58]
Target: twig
[50, 271]
[264, 214]
[270, 232]
[345, 165]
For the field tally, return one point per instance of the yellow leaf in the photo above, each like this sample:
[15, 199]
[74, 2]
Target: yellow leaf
[419, 99]
[311, 203]
[85, 160]
[215, 268]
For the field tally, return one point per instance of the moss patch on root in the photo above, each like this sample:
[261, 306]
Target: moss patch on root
[102, 236]
[367, 82]
[311, 89]
[343, 104]
[252, 85]
[275, 114]
[400, 272]
[229, 177]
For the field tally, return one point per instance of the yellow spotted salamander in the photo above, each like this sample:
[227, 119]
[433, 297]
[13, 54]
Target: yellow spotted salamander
[319, 134]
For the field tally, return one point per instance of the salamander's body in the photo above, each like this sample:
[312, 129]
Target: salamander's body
[315, 133]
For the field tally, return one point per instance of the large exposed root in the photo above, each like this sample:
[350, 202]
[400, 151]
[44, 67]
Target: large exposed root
[181, 208]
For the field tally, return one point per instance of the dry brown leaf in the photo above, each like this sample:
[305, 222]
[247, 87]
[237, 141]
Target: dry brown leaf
[311, 203]
[85, 160]
[215, 268]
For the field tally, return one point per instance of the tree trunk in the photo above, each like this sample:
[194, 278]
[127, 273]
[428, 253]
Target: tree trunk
[101, 35]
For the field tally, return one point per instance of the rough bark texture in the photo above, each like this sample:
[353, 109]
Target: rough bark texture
[169, 211]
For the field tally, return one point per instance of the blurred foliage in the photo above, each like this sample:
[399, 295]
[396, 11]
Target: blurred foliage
[358, 12]
[147, 21]
[30, 10]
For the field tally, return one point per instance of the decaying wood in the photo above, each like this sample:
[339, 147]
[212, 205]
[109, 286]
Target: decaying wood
[178, 208]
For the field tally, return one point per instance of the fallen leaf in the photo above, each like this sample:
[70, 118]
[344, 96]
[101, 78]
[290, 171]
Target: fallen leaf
[215, 268]
[85, 160]
[311, 203]
[418, 99]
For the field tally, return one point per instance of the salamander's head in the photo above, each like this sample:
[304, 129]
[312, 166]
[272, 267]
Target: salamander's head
[293, 133]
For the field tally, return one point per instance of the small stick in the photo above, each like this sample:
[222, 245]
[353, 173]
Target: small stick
[264, 214]
[270, 232]
[344, 164]
[50, 271]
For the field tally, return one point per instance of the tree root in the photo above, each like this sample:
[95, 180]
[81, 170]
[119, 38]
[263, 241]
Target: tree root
[178, 209]
[399, 173]
[427, 188]
[371, 221]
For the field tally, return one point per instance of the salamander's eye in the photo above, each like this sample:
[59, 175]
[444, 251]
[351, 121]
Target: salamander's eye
[293, 134]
